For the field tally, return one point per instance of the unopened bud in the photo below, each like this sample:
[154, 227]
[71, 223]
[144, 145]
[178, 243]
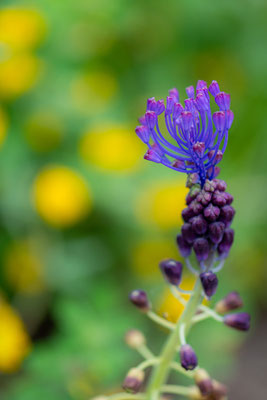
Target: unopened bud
[172, 271]
[239, 321]
[135, 339]
[203, 381]
[140, 300]
[209, 282]
[133, 380]
[219, 390]
[188, 357]
[230, 302]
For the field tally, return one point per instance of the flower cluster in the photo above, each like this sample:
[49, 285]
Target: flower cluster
[195, 146]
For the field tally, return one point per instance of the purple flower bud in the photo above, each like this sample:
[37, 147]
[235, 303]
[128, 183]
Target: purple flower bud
[152, 155]
[160, 107]
[151, 104]
[190, 91]
[219, 391]
[199, 148]
[203, 381]
[172, 271]
[142, 120]
[201, 102]
[188, 357]
[201, 248]
[178, 164]
[230, 118]
[201, 84]
[204, 197]
[187, 119]
[230, 302]
[219, 120]
[187, 232]
[239, 321]
[175, 94]
[209, 282]
[177, 110]
[214, 88]
[192, 194]
[151, 119]
[199, 225]
[216, 231]
[189, 105]
[227, 214]
[220, 185]
[140, 300]
[196, 207]
[187, 213]
[218, 199]
[210, 186]
[218, 156]
[143, 133]
[169, 104]
[184, 247]
[227, 241]
[229, 198]
[217, 171]
[133, 380]
[211, 212]
[222, 100]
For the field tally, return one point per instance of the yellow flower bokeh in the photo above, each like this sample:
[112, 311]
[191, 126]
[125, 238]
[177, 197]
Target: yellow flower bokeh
[14, 341]
[3, 125]
[18, 73]
[23, 268]
[61, 196]
[113, 147]
[169, 306]
[21, 28]
[161, 204]
[147, 254]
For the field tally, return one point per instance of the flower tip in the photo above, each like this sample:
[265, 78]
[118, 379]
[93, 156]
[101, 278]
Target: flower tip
[214, 88]
[239, 321]
[140, 300]
[222, 100]
[188, 357]
[151, 119]
[209, 283]
[172, 271]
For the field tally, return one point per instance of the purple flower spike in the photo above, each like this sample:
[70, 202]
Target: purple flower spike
[229, 303]
[200, 139]
[239, 321]
[223, 101]
[209, 282]
[140, 300]
[184, 247]
[143, 133]
[201, 248]
[151, 119]
[188, 357]
[172, 271]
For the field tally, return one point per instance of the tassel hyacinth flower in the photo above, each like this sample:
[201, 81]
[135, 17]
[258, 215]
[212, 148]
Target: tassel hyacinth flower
[196, 144]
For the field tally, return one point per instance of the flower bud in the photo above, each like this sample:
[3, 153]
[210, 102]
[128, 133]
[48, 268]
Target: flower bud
[187, 232]
[140, 300]
[201, 248]
[239, 321]
[160, 107]
[196, 207]
[143, 133]
[210, 186]
[174, 93]
[177, 110]
[226, 242]
[222, 100]
[152, 155]
[133, 380]
[187, 213]
[211, 213]
[187, 119]
[214, 88]
[151, 119]
[219, 120]
[227, 214]
[169, 104]
[184, 247]
[190, 91]
[199, 224]
[203, 381]
[204, 197]
[230, 302]
[218, 199]
[216, 231]
[220, 185]
[209, 282]
[219, 390]
[172, 271]
[134, 339]
[151, 104]
[188, 357]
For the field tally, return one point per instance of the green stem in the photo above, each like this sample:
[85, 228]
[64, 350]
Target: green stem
[161, 371]
[175, 389]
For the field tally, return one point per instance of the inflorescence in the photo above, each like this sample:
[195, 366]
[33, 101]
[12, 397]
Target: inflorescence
[194, 145]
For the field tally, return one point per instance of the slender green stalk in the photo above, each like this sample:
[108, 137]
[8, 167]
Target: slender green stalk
[175, 389]
[161, 321]
[161, 371]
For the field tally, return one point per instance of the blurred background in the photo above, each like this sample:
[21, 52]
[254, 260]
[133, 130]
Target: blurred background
[84, 219]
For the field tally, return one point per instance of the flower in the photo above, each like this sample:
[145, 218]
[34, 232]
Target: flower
[61, 196]
[199, 147]
[188, 357]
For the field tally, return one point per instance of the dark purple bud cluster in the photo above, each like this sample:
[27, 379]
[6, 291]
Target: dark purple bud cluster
[207, 220]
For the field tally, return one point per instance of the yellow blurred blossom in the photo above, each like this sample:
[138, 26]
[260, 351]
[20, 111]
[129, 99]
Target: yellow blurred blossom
[147, 254]
[23, 268]
[44, 130]
[92, 91]
[162, 204]
[61, 196]
[111, 147]
[18, 73]
[14, 340]
[169, 306]
[21, 28]
[3, 125]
